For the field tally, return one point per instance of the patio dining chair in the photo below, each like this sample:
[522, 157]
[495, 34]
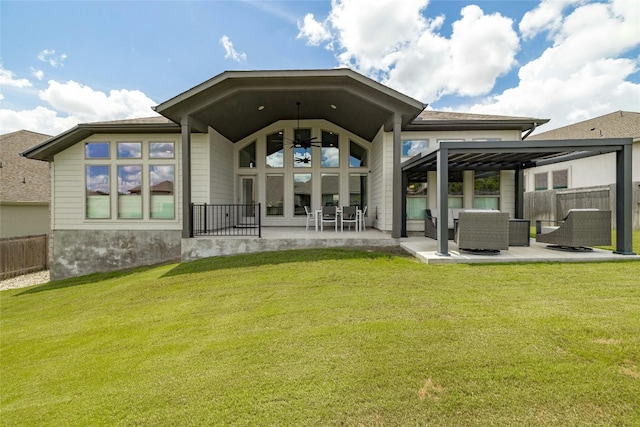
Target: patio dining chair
[349, 216]
[329, 214]
[310, 217]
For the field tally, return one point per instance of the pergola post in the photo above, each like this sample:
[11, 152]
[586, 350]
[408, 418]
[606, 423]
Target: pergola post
[443, 201]
[519, 199]
[624, 196]
[186, 177]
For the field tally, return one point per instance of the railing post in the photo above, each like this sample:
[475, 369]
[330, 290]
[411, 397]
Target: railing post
[204, 218]
[259, 220]
[191, 223]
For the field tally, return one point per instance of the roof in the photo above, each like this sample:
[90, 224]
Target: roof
[508, 155]
[619, 124]
[446, 120]
[239, 103]
[23, 180]
[47, 149]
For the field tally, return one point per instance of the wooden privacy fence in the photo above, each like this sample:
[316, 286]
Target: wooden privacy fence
[22, 255]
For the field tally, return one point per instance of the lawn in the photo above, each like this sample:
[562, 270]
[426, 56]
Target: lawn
[326, 337]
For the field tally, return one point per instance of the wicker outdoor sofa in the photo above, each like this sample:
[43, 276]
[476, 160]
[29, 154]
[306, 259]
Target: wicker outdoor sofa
[578, 230]
[482, 230]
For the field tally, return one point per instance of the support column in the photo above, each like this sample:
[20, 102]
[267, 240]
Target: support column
[405, 183]
[519, 184]
[443, 201]
[396, 227]
[186, 177]
[624, 196]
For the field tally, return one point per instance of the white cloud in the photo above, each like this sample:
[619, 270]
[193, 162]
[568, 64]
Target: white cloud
[582, 75]
[38, 74]
[49, 56]
[312, 30]
[547, 16]
[393, 42]
[7, 78]
[230, 50]
[71, 103]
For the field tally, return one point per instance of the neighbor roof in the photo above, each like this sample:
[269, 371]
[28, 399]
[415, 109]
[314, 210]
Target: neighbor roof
[23, 180]
[446, 120]
[619, 124]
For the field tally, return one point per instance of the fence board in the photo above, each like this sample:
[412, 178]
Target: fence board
[23, 255]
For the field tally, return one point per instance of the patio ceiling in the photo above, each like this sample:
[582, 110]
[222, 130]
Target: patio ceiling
[507, 155]
[239, 103]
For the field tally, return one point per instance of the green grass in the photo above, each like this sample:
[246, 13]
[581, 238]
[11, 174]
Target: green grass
[326, 337]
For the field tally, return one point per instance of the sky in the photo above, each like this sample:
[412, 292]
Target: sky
[69, 62]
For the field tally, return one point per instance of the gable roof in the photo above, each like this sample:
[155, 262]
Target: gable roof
[239, 103]
[619, 124]
[23, 180]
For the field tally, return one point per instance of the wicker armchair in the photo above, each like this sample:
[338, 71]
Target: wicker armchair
[431, 223]
[579, 229]
[482, 230]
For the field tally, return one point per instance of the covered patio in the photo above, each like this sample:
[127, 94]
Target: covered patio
[518, 156]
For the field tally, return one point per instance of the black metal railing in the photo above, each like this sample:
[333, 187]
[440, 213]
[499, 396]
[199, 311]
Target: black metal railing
[226, 220]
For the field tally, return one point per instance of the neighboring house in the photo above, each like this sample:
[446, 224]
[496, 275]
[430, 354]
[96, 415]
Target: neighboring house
[588, 180]
[24, 186]
[124, 191]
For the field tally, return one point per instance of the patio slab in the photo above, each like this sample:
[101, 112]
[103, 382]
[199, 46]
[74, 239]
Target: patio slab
[425, 249]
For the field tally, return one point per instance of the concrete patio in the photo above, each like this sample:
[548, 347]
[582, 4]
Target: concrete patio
[423, 248]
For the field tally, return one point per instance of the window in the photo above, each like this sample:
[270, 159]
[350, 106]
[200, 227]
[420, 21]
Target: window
[358, 190]
[541, 181]
[302, 152]
[98, 192]
[275, 195]
[248, 156]
[357, 155]
[456, 180]
[301, 192]
[161, 200]
[560, 179]
[161, 150]
[330, 189]
[275, 150]
[486, 190]
[416, 199]
[130, 191]
[129, 150]
[412, 147]
[330, 152]
[97, 150]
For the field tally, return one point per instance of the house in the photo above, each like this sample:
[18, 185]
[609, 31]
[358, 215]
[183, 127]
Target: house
[575, 183]
[279, 141]
[24, 187]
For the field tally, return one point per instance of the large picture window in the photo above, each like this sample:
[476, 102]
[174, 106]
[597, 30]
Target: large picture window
[416, 199]
[330, 187]
[161, 197]
[330, 150]
[161, 150]
[413, 147]
[357, 155]
[301, 192]
[98, 192]
[302, 152]
[486, 193]
[97, 150]
[275, 195]
[130, 191]
[248, 156]
[129, 150]
[275, 150]
[456, 190]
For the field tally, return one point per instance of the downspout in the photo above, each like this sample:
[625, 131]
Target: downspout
[535, 125]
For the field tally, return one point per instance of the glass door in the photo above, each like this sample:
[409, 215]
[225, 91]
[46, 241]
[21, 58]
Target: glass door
[247, 200]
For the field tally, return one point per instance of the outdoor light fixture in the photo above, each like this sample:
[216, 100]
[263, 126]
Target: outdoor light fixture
[333, 107]
[260, 107]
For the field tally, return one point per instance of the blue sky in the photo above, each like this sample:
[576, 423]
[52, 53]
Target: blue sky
[69, 62]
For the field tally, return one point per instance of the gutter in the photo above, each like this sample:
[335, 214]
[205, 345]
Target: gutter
[535, 125]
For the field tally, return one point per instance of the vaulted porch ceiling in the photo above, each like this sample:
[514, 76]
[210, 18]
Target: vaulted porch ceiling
[239, 103]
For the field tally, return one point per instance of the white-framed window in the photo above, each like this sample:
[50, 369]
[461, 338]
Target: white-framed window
[413, 147]
[417, 193]
[486, 190]
[560, 179]
[541, 181]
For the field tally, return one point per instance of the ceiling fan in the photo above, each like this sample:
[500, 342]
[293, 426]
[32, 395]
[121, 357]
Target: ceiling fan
[304, 143]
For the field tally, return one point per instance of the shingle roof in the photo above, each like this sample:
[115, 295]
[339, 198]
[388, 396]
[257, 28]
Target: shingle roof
[619, 124]
[23, 180]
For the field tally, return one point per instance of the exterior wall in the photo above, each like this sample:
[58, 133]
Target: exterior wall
[68, 181]
[200, 168]
[23, 219]
[581, 172]
[80, 252]
[221, 170]
[376, 210]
